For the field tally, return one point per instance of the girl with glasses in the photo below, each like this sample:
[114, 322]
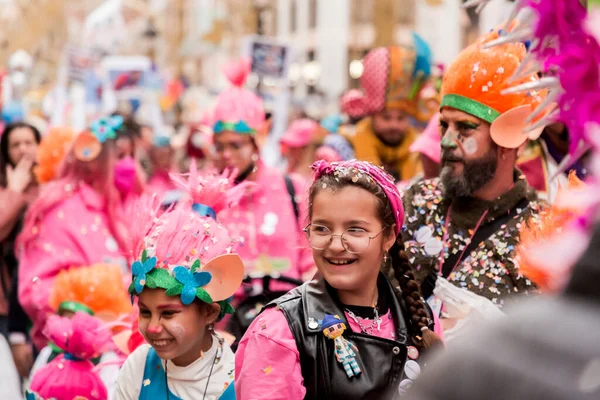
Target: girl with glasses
[360, 328]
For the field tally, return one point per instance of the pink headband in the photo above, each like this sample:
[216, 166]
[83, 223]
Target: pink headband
[357, 168]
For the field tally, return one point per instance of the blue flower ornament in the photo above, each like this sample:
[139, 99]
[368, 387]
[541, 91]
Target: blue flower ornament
[106, 128]
[192, 282]
[139, 270]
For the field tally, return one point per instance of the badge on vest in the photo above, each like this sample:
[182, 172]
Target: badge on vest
[345, 351]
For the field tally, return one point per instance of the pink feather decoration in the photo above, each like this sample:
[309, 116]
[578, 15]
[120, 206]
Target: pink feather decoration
[570, 50]
[71, 374]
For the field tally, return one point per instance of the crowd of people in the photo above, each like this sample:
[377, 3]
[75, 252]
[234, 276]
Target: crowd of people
[388, 247]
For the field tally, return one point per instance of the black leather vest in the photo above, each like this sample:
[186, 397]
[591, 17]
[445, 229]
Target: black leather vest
[381, 360]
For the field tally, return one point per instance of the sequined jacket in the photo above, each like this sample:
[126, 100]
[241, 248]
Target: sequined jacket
[490, 270]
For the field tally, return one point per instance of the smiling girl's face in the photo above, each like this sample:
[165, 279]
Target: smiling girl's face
[354, 212]
[177, 332]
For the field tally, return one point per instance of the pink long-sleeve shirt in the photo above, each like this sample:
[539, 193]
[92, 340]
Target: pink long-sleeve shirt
[273, 240]
[74, 233]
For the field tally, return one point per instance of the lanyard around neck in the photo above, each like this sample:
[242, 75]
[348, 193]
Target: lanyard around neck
[446, 244]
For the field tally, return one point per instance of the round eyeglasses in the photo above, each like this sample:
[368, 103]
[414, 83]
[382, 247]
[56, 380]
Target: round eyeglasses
[354, 240]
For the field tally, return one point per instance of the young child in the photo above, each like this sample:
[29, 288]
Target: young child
[357, 331]
[183, 277]
[71, 374]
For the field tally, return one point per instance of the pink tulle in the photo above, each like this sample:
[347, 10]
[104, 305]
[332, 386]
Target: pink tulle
[70, 375]
[382, 178]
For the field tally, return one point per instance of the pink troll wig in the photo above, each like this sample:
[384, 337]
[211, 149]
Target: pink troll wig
[72, 172]
[189, 230]
[71, 374]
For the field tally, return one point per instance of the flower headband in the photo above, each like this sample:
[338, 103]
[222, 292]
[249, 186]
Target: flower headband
[88, 145]
[364, 170]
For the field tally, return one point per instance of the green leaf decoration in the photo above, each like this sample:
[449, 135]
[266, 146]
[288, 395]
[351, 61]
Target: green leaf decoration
[131, 287]
[163, 278]
[144, 256]
[175, 290]
[196, 265]
[226, 308]
[150, 282]
[203, 295]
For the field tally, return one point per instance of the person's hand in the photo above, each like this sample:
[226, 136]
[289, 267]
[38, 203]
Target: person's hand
[19, 177]
[23, 357]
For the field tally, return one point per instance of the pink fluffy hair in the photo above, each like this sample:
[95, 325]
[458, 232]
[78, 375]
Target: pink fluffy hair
[71, 173]
[181, 235]
[71, 374]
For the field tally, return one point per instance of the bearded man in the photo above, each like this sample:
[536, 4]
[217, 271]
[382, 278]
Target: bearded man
[465, 224]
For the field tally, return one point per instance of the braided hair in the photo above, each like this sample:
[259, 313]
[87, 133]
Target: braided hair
[398, 269]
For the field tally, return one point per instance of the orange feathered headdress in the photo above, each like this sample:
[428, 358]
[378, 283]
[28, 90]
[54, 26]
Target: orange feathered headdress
[51, 151]
[474, 83]
[99, 288]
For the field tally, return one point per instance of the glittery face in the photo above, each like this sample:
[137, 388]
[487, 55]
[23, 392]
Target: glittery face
[353, 211]
[176, 331]
[469, 157]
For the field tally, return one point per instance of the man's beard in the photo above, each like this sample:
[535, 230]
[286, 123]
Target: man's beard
[475, 175]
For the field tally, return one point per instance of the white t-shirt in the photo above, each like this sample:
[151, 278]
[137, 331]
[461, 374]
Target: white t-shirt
[188, 383]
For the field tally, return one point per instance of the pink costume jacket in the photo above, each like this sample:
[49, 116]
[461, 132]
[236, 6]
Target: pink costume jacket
[273, 240]
[72, 234]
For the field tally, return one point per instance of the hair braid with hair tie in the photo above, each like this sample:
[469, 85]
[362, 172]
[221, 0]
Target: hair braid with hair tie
[403, 278]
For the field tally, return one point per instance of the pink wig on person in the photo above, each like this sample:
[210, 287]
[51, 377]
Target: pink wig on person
[71, 374]
[236, 103]
[189, 230]
[98, 173]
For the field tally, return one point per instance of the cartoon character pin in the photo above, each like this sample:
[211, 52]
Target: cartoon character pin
[345, 351]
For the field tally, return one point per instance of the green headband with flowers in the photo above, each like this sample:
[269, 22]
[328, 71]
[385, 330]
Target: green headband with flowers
[214, 282]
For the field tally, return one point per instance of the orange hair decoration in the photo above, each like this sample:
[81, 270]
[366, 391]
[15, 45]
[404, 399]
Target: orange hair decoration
[474, 84]
[51, 152]
[99, 287]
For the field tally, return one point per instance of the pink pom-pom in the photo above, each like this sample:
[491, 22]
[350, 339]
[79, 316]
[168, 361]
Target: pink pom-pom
[237, 72]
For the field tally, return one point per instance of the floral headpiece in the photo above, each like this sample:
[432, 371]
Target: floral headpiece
[88, 144]
[185, 251]
[358, 170]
